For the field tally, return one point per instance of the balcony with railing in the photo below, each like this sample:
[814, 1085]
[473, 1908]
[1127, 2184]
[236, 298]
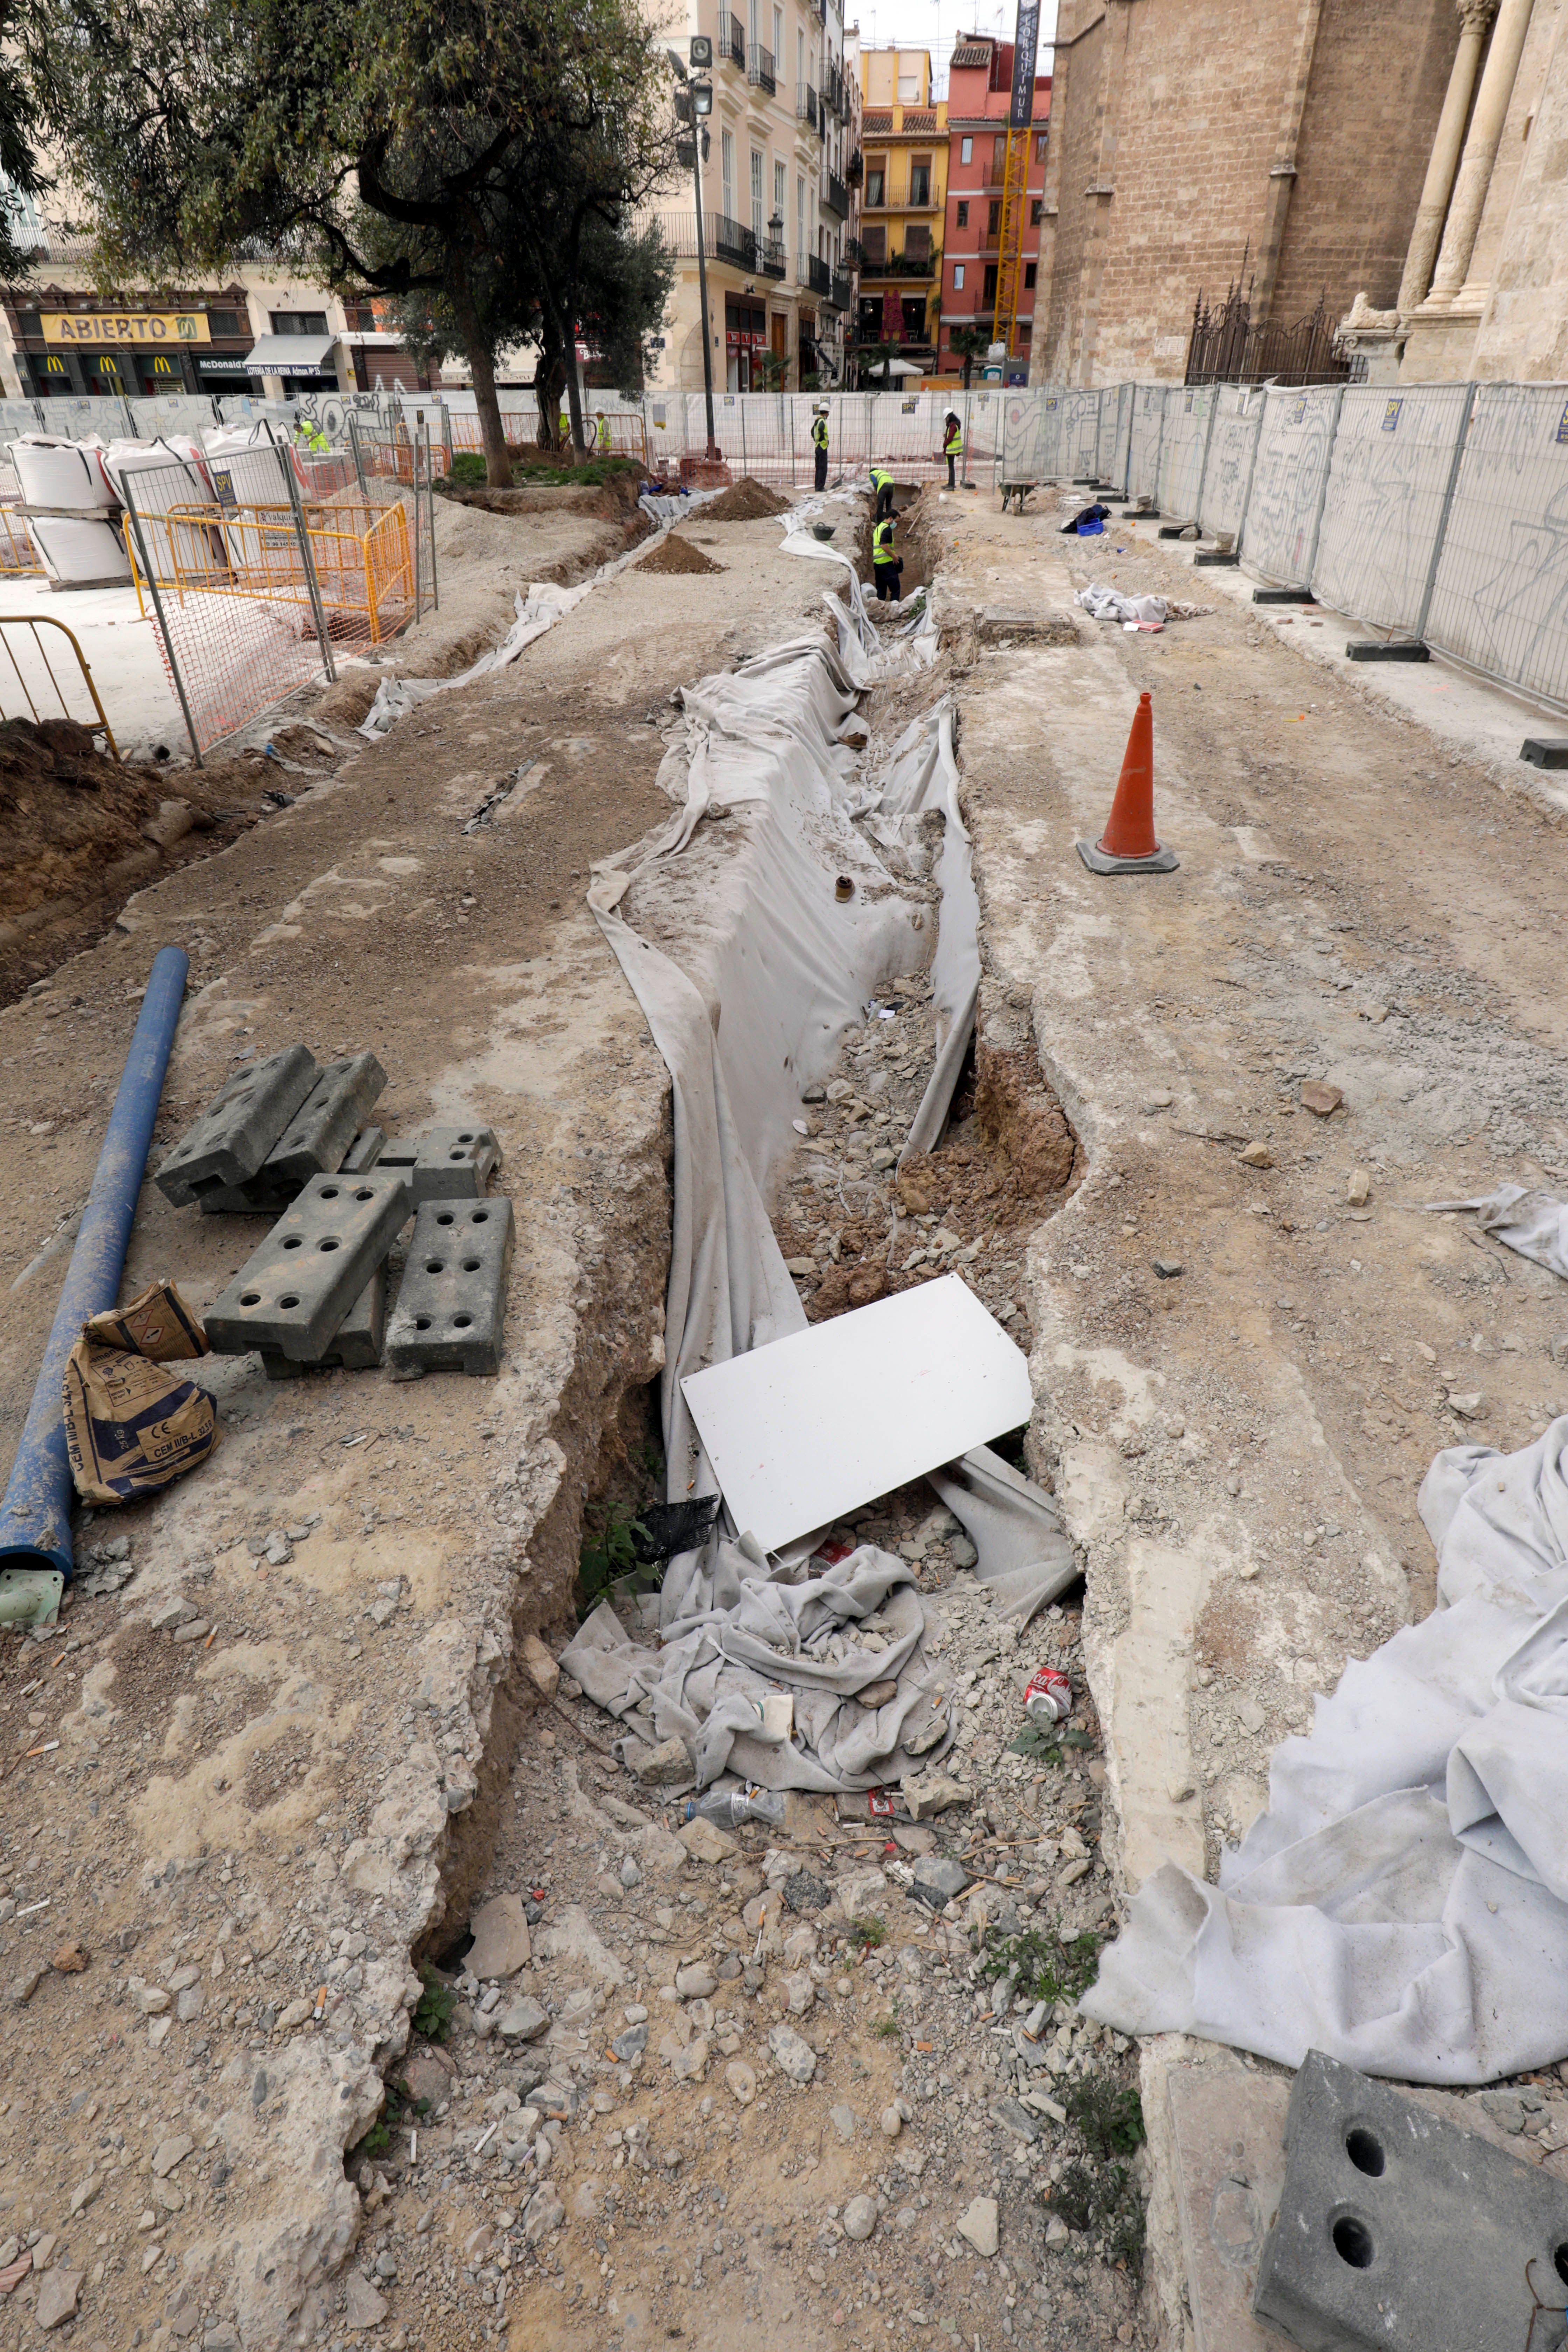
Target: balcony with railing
[818, 277]
[761, 72]
[839, 297]
[806, 106]
[773, 261]
[723, 240]
[836, 195]
[731, 49]
[902, 264]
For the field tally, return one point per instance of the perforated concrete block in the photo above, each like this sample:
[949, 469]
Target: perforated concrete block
[1399, 2230]
[357, 1344]
[291, 1295]
[447, 1163]
[319, 1135]
[452, 1304]
[239, 1126]
[364, 1150]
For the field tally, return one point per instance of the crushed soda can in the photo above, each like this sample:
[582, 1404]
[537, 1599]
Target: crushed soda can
[1048, 1697]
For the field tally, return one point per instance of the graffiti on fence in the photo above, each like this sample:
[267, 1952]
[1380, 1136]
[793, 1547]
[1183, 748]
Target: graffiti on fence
[1228, 472]
[1148, 421]
[1288, 482]
[1388, 483]
[1500, 602]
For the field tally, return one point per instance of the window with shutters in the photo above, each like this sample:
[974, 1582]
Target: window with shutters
[966, 151]
[963, 214]
[920, 179]
[727, 171]
[756, 192]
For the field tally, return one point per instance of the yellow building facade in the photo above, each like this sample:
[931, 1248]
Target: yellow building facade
[903, 201]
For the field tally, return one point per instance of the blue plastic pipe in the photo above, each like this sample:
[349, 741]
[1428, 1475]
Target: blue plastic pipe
[34, 1514]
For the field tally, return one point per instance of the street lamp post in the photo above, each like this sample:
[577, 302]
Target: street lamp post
[698, 102]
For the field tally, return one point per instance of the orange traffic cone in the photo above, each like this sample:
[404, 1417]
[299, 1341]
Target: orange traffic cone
[1128, 844]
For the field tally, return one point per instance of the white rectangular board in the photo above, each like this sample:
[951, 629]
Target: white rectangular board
[812, 1426]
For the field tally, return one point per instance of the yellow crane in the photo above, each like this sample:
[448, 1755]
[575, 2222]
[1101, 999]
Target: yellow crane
[1016, 178]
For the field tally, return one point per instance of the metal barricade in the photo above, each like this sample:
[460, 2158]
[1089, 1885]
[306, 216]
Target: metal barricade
[1502, 581]
[1391, 477]
[36, 672]
[249, 593]
[19, 558]
[1290, 478]
[1189, 418]
[1144, 450]
[1227, 473]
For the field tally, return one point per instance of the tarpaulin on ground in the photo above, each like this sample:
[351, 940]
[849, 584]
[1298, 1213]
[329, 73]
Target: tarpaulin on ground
[1403, 1903]
[778, 975]
[1534, 1224]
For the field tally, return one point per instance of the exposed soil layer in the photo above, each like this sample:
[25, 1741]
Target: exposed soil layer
[74, 837]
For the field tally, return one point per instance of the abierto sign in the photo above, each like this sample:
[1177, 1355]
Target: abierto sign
[99, 326]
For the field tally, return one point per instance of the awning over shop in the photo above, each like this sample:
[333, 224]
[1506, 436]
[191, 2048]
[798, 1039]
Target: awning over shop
[290, 354]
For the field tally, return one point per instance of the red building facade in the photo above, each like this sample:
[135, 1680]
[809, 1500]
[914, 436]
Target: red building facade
[979, 78]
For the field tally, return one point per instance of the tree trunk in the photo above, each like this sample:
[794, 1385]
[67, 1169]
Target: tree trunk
[482, 368]
[550, 382]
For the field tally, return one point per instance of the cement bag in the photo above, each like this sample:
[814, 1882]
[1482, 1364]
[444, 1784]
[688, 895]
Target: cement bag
[80, 551]
[132, 1427]
[53, 473]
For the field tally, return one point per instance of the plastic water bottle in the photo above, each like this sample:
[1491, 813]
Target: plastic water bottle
[729, 1807]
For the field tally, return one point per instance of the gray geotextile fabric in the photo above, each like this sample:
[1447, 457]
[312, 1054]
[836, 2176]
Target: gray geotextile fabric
[706, 1687]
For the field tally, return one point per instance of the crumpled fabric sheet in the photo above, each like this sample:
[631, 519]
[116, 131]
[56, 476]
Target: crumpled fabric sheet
[786, 984]
[1534, 1224]
[1403, 1903]
[706, 1685]
[1103, 603]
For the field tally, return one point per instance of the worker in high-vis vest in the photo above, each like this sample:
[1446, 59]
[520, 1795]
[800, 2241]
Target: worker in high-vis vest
[311, 437]
[819, 443]
[882, 483]
[566, 422]
[602, 435]
[952, 445]
[886, 562]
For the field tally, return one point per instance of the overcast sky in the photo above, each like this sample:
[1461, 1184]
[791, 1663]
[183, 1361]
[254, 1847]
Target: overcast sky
[936, 24]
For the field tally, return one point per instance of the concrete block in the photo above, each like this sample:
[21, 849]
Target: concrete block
[452, 1304]
[1283, 596]
[1398, 2230]
[1546, 751]
[356, 1346]
[1225, 556]
[1374, 650]
[316, 1139]
[239, 1126]
[293, 1293]
[448, 1163]
[364, 1150]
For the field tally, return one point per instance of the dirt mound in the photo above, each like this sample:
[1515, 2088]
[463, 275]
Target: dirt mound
[745, 501]
[678, 554]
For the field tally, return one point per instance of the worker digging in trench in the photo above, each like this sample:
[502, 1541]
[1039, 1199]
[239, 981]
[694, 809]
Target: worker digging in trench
[887, 564]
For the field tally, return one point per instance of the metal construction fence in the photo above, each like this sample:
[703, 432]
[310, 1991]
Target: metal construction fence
[1432, 513]
[255, 584]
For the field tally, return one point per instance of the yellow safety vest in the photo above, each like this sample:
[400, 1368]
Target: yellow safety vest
[819, 432]
[602, 435]
[882, 542]
[880, 479]
[953, 443]
[566, 422]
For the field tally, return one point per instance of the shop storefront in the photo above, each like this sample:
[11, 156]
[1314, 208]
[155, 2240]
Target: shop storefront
[299, 355]
[85, 349]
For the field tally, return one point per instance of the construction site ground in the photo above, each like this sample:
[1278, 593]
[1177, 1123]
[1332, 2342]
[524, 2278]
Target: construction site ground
[1245, 1340]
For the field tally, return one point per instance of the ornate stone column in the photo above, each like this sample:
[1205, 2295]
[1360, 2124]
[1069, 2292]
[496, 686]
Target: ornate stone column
[1475, 15]
[1469, 200]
